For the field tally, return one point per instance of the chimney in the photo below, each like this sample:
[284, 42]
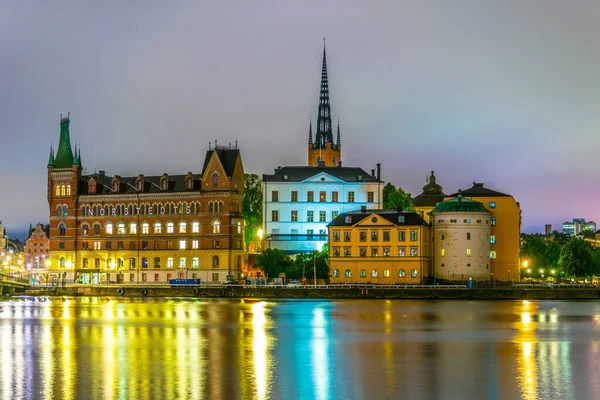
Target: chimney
[373, 173]
[101, 173]
[378, 171]
[363, 208]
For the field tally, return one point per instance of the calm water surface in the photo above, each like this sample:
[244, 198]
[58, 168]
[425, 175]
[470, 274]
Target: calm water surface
[98, 348]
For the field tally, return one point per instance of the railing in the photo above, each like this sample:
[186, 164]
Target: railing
[13, 278]
[225, 285]
[554, 285]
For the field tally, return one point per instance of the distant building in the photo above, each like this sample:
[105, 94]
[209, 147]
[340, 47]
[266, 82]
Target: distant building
[548, 229]
[2, 237]
[299, 202]
[462, 238]
[505, 232]
[578, 226]
[432, 194]
[379, 246]
[37, 248]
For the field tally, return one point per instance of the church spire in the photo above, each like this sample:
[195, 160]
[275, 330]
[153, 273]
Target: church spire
[64, 153]
[310, 132]
[338, 141]
[51, 158]
[324, 129]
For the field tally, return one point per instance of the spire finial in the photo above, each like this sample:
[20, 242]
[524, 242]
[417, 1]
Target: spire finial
[324, 41]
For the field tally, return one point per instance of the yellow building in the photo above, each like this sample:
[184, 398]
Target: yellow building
[432, 195]
[505, 230]
[379, 246]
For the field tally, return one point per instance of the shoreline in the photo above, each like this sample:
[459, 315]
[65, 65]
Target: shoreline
[325, 293]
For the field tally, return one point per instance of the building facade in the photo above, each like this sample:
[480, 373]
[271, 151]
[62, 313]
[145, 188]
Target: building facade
[37, 250]
[461, 240]
[323, 148]
[505, 230]
[578, 226]
[299, 203]
[426, 201]
[2, 237]
[144, 228]
[379, 247]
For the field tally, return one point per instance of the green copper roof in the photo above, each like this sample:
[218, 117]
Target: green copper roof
[51, 158]
[459, 204]
[64, 153]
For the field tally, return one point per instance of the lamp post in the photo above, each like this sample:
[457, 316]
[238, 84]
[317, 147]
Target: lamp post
[509, 276]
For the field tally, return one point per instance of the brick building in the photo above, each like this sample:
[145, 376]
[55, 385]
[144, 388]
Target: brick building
[37, 249]
[145, 228]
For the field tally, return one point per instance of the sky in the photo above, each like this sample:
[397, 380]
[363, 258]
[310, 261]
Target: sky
[501, 92]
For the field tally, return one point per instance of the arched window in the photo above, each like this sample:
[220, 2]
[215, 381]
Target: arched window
[164, 184]
[216, 226]
[386, 273]
[115, 186]
[60, 211]
[402, 273]
[85, 229]
[157, 227]
[215, 262]
[68, 190]
[145, 228]
[189, 184]
[239, 227]
[348, 273]
[121, 228]
[63, 190]
[413, 273]
[133, 228]
[374, 273]
[211, 207]
[363, 273]
[170, 227]
[97, 229]
[220, 206]
[336, 273]
[92, 188]
[57, 190]
[66, 210]
[62, 230]
[182, 227]
[195, 227]
[109, 228]
[61, 262]
[140, 185]
[215, 180]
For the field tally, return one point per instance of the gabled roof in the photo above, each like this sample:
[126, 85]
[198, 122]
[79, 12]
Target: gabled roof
[410, 217]
[479, 191]
[127, 184]
[228, 157]
[299, 174]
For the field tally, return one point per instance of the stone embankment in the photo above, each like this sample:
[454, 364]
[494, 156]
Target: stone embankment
[310, 292]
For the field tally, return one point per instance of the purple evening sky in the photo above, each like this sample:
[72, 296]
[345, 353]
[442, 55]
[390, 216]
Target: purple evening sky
[503, 92]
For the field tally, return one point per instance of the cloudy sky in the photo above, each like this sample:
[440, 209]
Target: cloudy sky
[502, 92]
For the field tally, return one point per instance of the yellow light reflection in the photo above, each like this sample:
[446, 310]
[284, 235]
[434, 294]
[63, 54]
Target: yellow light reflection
[259, 348]
[319, 354]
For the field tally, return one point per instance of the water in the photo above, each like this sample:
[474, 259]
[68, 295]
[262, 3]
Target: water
[96, 348]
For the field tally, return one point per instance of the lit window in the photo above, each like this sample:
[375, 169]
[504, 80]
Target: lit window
[309, 215]
[157, 227]
[402, 273]
[336, 273]
[121, 228]
[322, 216]
[215, 263]
[170, 227]
[66, 210]
[348, 273]
[170, 262]
[85, 229]
[492, 204]
[336, 251]
[413, 273]
[374, 251]
[374, 273]
[182, 245]
[294, 196]
[443, 252]
[216, 226]
[493, 239]
[294, 216]
[182, 262]
[239, 227]
[370, 197]
[413, 236]
[468, 252]
[61, 262]
[386, 273]
[68, 190]
[133, 228]
[414, 252]
[401, 252]
[275, 196]
[493, 254]
[386, 251]
[322, 197]
[350, 197]
[195, 262]
[346, 251]
[194, 244]
[401, 219]
[182, 227]
[145, 228]
[334, 197]
[493, 221]
[334, 215]
[97, 245]
[57, 190]
[195, 227]
[363, 273]
[109, 228]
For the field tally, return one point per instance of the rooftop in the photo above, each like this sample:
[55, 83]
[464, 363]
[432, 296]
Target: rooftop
[301, 173]
[410, 217]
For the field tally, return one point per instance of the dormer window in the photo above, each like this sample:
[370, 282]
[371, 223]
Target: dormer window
[115, 186]
[139, 183]
[164, 182]
[92, 187]
[189, 184]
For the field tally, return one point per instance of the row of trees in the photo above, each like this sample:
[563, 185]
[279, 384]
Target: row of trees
[275, 261]
[567, 257]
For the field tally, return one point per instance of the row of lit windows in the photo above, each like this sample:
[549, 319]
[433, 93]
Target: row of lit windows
[374, 273]
[468, 252]
[491, 221]
[310, 196]
[164, 184]
[120, 262]
[310, 215]
[492, 237]
[375, 236]
[386, 252]
[158, 245]
[121, 228]
[62, 190]
[309, 232]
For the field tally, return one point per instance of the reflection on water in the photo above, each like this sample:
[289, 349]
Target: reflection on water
[72, 348]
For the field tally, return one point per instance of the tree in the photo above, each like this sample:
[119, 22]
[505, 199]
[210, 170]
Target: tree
[552, 254]
[252, 207]
[394, 197]
[534, 251]
[305, 263]
[576, 258]
[273, 262]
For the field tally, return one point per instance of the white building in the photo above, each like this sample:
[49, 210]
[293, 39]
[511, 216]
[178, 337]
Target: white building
[299, 202]
[461, 229]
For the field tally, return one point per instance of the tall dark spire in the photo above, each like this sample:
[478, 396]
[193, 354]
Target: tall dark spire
[51, 158]
[310, 132]
[324, 127]
[338, 141]
[64, 153]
